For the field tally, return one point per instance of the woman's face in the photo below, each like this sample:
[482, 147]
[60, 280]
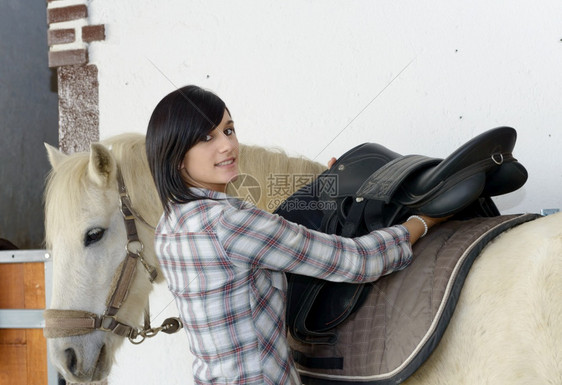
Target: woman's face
[213, 162]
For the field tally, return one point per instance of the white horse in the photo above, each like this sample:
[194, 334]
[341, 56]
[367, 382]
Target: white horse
[507, 328]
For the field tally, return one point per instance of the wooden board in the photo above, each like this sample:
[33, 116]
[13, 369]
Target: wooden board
[23, 352]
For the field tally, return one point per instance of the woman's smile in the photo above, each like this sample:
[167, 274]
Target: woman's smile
[225, 163]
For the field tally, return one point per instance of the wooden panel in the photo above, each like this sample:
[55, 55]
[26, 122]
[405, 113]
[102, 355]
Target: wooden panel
[34, 285]
[34, 282]
[11, 286]
[12, 297]
[36, 357]
[12, 336]
[13, 365]
[23, 352]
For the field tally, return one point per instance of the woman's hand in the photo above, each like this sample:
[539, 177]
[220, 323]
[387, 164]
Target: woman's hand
[331, 162]
[416, 225]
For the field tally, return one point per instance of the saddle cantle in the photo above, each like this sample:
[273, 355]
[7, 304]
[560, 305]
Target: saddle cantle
[371, 187]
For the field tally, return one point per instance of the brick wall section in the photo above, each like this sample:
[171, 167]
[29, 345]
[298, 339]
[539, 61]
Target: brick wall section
[75, 12]
[61, 36]
[93, 33]
[68, 57]
[77, 79]
[79, 36]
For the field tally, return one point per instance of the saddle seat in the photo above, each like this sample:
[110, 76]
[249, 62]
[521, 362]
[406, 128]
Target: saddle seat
[373, 187]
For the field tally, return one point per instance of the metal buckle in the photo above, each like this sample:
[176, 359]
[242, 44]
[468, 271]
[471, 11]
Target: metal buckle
[125, 205]
[106, 321]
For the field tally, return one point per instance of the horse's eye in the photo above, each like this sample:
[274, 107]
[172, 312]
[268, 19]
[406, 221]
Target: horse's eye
[93, 235]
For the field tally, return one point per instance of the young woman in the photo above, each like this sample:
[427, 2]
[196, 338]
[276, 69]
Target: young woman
[224, 261]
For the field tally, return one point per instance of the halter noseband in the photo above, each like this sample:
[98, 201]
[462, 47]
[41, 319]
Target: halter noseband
[64, 323]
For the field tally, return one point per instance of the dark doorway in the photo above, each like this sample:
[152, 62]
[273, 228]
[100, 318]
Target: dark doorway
[28, 118]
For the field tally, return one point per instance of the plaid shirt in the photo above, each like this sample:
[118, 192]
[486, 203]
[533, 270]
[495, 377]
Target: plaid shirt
[224, 262]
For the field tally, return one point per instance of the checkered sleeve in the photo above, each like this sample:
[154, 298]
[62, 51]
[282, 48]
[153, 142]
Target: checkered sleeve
[256, 239]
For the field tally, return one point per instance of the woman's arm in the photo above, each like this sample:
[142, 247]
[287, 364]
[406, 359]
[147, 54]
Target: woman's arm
[256, 239]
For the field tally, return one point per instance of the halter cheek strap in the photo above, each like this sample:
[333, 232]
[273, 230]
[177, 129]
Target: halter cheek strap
[65, 323]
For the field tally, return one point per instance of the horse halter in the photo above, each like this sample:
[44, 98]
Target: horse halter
[65, 323]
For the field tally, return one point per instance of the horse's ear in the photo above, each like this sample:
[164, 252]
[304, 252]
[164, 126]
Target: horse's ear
[55, 156]
[102, 167]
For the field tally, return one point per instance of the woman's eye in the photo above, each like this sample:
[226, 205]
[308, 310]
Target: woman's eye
[229, 131]
[207, 138]
[93, 236]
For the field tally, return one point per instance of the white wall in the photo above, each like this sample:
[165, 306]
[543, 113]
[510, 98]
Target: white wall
[318, 77]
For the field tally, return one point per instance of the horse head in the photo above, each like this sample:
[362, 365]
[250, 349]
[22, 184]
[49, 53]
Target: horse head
[87, 235]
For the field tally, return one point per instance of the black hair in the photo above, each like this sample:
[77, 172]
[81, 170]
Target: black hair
[180, 120]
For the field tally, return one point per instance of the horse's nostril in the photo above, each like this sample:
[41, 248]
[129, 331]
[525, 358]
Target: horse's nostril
[71, 360]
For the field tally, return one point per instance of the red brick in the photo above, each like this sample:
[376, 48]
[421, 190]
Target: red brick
[93, 33]
[61, 36]
[74, 12]
[69, 57]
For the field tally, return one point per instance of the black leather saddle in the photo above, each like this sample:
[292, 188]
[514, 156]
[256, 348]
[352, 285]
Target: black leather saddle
[371, 187]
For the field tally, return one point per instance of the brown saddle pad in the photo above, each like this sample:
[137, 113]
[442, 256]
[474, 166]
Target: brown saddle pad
[406, 313]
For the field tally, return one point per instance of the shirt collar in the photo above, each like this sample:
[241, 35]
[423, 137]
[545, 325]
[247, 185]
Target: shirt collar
[233, 201]
[203, 192]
